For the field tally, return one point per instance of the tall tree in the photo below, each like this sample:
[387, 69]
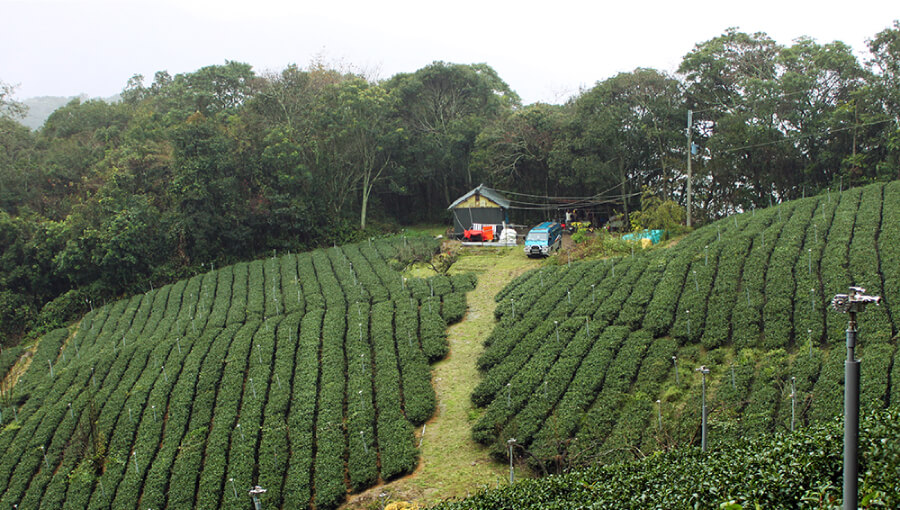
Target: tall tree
[729, 85]
[513, 152]
[623, 135]
[444, 107]
[885, 63]
[373, 133]
[9, 107]
[818, 110]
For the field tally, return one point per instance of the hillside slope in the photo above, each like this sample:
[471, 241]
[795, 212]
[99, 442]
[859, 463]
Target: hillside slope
[582, 363]
[304, 374]
[800, 470]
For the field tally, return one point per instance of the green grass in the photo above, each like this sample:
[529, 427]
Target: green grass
[432, 230]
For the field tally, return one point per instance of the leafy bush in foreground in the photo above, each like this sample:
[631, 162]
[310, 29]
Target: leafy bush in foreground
[800, 470]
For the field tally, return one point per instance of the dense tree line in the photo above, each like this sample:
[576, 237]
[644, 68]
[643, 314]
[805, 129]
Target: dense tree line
[224, 163]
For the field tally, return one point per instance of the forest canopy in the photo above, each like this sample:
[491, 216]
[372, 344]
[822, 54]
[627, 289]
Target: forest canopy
[225, 164]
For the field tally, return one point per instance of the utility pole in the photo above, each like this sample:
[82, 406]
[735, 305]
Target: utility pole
[851, 303]
[689, 132]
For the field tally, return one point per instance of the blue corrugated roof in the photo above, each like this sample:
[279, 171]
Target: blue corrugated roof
[489, 193]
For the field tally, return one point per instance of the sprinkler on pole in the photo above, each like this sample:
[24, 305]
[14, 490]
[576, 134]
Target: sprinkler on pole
[511, 442]
[688, 322]
[852, 303]
[659, 413]
[793, 402]
[703, 371]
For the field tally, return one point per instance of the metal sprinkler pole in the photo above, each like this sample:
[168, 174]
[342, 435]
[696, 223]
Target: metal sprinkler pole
[659, 413]
[511, 442]
[851, 416]
[851, 303]
[703, 371]
[793, 402]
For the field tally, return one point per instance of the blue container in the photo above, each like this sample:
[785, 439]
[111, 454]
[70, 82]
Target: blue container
[655, 236]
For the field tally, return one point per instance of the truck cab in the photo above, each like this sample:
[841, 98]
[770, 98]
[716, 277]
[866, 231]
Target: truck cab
[543, 239]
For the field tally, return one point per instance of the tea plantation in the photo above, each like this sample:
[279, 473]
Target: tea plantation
[799, 470]
[304, 374]
[596, 361]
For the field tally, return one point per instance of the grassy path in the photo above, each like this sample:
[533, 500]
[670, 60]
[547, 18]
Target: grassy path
[452, 464]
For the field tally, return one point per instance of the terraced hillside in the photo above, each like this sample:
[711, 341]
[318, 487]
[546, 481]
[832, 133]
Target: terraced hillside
[304, 374]
[596, 361]
[795, 470]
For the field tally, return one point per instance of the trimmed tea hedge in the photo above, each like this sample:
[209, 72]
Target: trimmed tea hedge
[303, 373]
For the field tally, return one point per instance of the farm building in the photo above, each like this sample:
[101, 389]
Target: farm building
[479, 207]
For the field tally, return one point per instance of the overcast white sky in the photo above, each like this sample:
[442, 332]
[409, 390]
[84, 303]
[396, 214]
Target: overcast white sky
[544, 50]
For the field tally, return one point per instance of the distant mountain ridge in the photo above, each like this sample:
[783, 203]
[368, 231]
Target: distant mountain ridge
[40, 108]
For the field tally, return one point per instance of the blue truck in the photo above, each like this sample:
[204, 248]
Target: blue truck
[543, 239]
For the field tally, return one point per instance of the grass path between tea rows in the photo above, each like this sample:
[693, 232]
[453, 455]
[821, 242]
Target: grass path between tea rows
[451, 463]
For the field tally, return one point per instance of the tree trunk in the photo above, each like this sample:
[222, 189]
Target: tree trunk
[624, 193]
[362, 215]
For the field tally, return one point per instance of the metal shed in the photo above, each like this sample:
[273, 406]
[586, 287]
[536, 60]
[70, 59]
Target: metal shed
[482, 205]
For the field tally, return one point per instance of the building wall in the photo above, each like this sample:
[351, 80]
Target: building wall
[477, 202]
[464, 217]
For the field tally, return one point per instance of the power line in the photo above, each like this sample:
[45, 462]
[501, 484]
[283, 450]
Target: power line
[722, 105]
[808, 135]
[533, 206]
[506, 192]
